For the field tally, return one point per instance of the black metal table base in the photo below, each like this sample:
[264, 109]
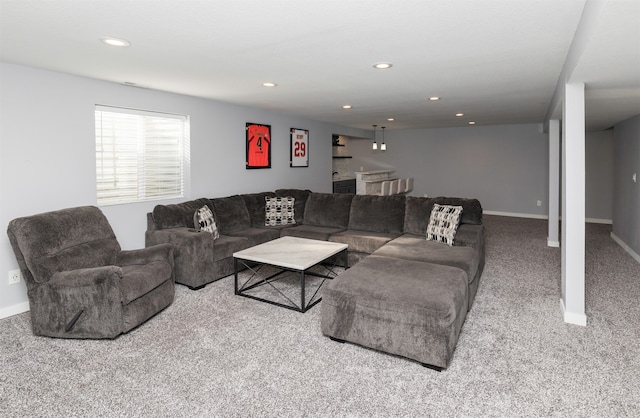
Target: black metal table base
[304, 305]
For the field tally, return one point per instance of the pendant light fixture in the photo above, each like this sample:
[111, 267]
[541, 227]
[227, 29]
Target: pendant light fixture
[383, 146]
[375, 144]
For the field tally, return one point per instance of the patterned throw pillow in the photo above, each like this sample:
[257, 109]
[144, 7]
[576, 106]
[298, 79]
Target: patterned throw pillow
[203, 220]
[279, 211]
[443, 223]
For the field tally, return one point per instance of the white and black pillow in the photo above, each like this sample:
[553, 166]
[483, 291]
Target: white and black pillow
[443, 223]
[204, 221]
[279, 211]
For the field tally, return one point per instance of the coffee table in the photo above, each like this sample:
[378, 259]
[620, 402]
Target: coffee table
[287, 254]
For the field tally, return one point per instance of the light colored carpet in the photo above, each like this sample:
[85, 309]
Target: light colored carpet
[215, 354]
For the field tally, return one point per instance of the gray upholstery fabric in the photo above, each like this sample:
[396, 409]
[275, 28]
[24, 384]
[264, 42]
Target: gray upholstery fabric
[417, 248]
[72, 264]
[193, 253]
[471, 208]
[178, 215]
[227, 245]
[416, 215]
[255, 203]
[321, 233]
[258, 235]
[301, 200]
[414, 248]
[328, 209]
[377, 213]
[418, 211]
[469, 235]
[408, 308]
[147, 305]
[362, 241]
[197, 255]
[231, 214]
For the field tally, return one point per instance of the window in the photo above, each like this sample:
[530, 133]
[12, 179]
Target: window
[139, 155]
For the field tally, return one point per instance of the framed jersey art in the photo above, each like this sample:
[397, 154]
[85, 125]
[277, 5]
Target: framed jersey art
[299, 148]
[258, 146]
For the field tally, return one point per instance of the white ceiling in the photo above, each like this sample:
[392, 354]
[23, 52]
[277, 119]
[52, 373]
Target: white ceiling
[497, 61]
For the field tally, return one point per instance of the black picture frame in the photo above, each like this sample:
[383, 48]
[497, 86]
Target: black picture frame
[258, 145]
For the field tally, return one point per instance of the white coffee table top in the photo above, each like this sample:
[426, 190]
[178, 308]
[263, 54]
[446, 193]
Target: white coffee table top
[291, 252]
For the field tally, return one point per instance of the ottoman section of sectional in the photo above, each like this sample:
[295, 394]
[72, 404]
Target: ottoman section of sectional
[406, 308]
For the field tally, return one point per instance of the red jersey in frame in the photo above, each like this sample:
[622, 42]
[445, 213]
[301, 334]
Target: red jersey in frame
[258, 146]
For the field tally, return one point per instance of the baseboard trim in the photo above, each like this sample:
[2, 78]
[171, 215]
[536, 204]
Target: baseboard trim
[536, 216]
[14, 310]
[553, 243]
[573, 318]
[515, 215]
[599, 221]
[624, 246]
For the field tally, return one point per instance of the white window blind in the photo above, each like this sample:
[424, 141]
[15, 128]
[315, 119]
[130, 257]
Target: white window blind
[140, 155]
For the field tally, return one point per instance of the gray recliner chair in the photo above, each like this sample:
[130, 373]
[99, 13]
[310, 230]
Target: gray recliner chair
[80, 283]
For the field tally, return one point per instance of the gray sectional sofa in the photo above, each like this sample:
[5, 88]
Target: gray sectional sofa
[403, 294]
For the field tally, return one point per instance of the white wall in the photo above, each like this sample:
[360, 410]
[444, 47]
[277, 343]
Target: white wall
[599, 165]
[626, 202]
[47, 153]
[505, 167]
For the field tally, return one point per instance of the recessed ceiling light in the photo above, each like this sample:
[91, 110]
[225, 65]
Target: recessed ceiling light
[269, 84]
[115, 41]
[434, 98]
[391, 119]
[459, 115]
[382, 65]
[472, 122]
[346, 107]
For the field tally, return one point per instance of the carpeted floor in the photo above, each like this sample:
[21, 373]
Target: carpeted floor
[215, 354]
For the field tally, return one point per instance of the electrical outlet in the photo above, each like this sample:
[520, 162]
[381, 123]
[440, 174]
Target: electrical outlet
[539, 203]
[14, 276]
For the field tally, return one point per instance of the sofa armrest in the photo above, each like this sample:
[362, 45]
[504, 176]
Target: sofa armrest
[79, 304]
[159, 252]
[193, 252]
[181, 239]
[469, 235]
[94, 276]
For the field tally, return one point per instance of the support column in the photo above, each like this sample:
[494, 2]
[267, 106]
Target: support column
[573, 205]
[553, 239]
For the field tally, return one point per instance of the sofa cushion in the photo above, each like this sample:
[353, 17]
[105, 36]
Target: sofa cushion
[416, 214]
[443, 223]
[301, 200]
[321, 233]
[469, 235]
[178, 215]
[231, 214]
[328, 209]
[362, 241]
[258, 235]
[416, 248]
[377, 213]
[279, 211]
[471, 208]
[255, 206]
[203, 220]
